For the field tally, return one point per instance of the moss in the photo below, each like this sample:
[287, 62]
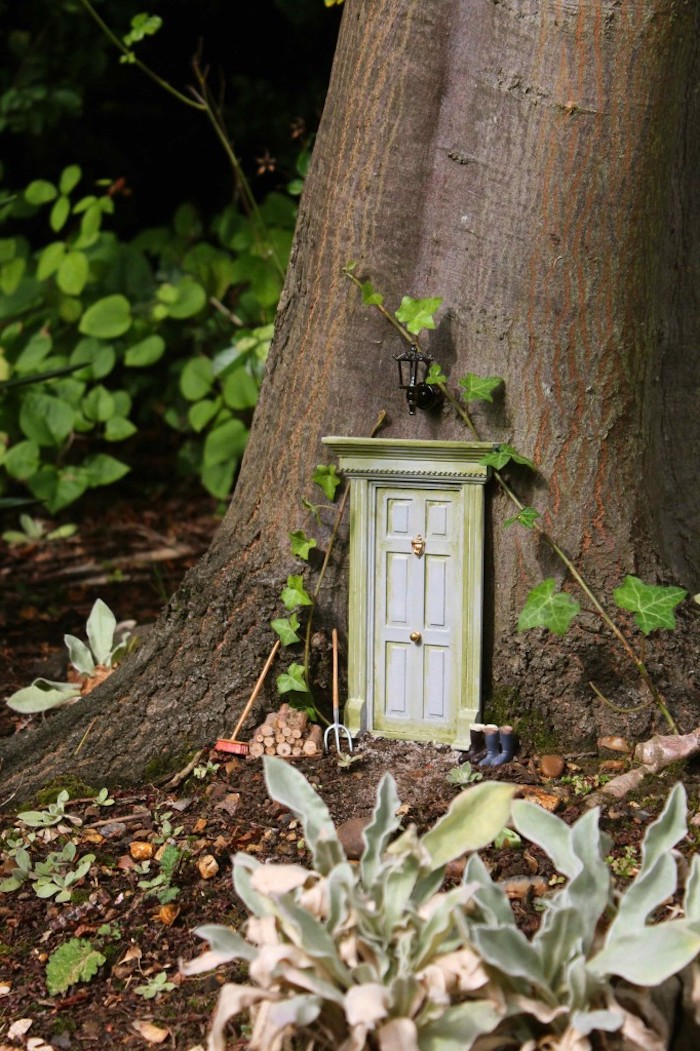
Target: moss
[167, 763]
[532, 727]
[75, 788]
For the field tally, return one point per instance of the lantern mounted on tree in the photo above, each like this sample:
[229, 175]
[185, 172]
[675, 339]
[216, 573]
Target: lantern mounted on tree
[413, 370]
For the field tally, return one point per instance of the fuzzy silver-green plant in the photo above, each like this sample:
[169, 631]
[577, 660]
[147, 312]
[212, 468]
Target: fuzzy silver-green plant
[378, 956]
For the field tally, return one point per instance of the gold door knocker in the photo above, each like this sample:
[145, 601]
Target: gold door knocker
[418, 545]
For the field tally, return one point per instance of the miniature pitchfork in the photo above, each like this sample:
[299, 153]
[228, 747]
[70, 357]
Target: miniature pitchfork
[336, 726]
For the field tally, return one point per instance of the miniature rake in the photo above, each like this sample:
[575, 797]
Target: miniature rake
[230, 744]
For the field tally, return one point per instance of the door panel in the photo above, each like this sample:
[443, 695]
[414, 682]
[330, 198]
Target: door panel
[420, 594]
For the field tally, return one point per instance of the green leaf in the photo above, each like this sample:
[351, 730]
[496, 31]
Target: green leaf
[11, 274]
[50, 259]
[217, 478]
[22, 460]
[197, 378]
[145, 353]
[503, 455]
[435, 374]
[327, 477]
[108, 318]
[79, 655]
[40, 192]
[473, 821]
[650, 955]
[59, 214]
[142, 25]
[548, 608]
[301, 544]
[240, 390]
[288, 786]
[45, 419]
[479, 388]
[99, 358]
[100, 629]
[70, 177]
[42, 696]
[417, 314]
[652, 604]
[98, 405]
[118, 429]
[295, 594]
[74, 961]
[102, 469]
[202, 413]
[527, 517]
[89, 226]
[292, 681]
[225, 444]
[370, 296]
[73, 273]
[286, 628]
[183, 300]
[58, 487]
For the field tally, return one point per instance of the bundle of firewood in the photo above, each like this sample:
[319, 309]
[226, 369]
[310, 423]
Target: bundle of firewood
[286, 732]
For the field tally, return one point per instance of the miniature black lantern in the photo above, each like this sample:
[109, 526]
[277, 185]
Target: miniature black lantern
[413, 369]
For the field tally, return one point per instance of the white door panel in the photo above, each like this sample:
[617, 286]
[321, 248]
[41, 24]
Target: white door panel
[419, 594]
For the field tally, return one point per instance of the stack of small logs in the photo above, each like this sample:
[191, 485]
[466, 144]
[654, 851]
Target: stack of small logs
[286, 732]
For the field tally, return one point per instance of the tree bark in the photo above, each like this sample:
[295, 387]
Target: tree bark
[533, 162]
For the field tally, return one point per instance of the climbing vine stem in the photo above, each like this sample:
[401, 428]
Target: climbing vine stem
[375, 299]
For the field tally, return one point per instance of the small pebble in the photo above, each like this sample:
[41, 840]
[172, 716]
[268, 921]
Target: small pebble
[552, 766]
[614, 744]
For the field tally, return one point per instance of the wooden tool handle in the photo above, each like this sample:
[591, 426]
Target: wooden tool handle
[336, 705]
[256, 690]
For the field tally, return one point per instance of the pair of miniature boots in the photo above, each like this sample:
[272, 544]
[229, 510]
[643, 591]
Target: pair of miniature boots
[490, 745]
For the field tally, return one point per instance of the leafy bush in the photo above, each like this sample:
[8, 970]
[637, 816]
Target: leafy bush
[99, 336]
[379, 956]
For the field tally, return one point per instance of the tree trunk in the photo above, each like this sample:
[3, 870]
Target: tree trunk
[534, 163]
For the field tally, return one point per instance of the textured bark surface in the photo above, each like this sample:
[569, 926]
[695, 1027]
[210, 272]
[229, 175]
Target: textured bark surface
[534, 162]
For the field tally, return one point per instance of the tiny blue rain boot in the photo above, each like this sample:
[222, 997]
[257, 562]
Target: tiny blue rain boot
[507, 736]
[491, 736]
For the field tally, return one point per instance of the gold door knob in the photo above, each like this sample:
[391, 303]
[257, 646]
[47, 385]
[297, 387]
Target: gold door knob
[415, 636]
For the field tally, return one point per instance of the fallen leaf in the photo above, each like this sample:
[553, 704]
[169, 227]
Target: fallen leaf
[35, 1043]
[19, 1028]
[125, 862]
[229, 803]
[153, 1033]
[614, 744]
[200, 824]
[5, 988]
[208, 866]
[141, 851]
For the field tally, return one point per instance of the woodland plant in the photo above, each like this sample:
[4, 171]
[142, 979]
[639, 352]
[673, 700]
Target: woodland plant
[547, 606]
[378, 955]
[108, 643]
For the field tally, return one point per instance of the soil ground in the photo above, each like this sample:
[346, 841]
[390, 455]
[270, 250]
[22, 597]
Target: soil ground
[132, 554]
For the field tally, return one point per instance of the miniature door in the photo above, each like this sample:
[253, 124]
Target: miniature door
[416, 586]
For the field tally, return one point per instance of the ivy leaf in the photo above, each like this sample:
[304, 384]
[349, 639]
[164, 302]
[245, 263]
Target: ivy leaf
[74, 961]
[503, 455]
[652, 604]
[292, 681]
[295, 594]
[326, 476]
[313, 509]
[547, 608]
[286, 628]
[301, 544]
[479, 388]
[370, 295]
[527, 517]
[435, 374]
[417, 314]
